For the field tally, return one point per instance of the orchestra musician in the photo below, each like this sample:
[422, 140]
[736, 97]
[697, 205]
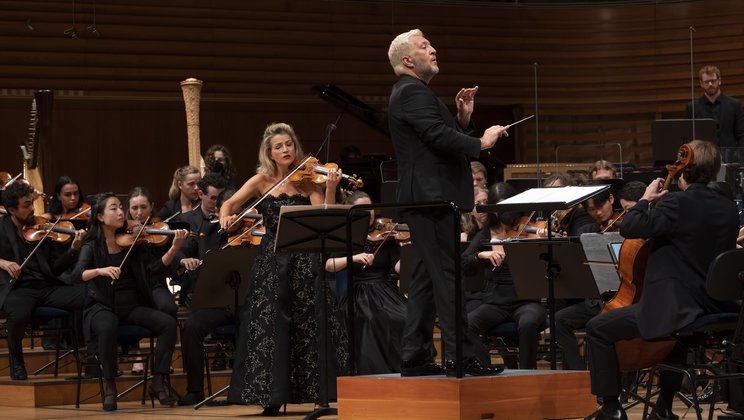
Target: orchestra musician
[433, 149]
[218, 160]
[183, 194]
[686, 230]
[119, 293]
[499, 299]
[380, 308]
[38, 283]
[574, 317]
[67, 200]
[277, 358]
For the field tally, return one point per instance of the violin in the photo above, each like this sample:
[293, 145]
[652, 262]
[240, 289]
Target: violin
[80, 213]
[156, 234]
[251, 235]
[560, 220]
[385, 228]
[61, 232]
[313, 171]
[611, 224]
[524, 228]
[5, 178]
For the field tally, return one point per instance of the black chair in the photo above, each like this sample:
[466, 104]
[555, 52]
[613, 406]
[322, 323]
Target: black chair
[506, 341]
[725, 281]
[128, 338]
[212, 347]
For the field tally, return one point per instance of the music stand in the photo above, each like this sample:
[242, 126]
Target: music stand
[222, 283]
[320, 228]
[600, 259]
[547, 199]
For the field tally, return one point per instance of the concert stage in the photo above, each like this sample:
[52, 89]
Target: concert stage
[514, 394]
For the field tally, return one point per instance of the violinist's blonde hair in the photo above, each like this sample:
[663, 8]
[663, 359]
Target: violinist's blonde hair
[266, 164]
[174, 192]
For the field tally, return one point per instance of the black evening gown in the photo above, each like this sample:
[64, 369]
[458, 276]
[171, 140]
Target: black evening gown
[279, 356]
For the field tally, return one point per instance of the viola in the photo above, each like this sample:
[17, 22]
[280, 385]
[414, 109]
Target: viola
[385, 228]
[82, 212]
[154, 233]
[61, 232]
[313, 171]
[638, 354]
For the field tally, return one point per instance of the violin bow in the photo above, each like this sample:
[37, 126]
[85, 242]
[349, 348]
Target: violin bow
[142, 229]
[79, 214]
[266, 194]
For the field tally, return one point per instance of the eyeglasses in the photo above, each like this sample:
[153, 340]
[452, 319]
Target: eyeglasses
[709, 82]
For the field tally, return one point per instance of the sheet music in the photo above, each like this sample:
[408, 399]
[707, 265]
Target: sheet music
[567, 194]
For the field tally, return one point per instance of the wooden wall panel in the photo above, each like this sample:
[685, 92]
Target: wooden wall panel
[604, 73]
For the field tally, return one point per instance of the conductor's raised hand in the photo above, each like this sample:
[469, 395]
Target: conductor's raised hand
[491, 136]
[465, 102]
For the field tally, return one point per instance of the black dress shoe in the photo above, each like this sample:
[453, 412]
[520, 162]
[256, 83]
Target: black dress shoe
[271, 411]
[473, 367]
[420, 368]
[191, 398]
[17, 370]
[611, 414]
[663, 414]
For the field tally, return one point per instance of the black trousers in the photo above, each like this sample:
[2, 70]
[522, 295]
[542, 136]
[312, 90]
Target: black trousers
[201, 322]
[569, 320]
[164, 301]
[432, 291]
[21, 302]
[105, 326]
[529, 318]
[601, 334]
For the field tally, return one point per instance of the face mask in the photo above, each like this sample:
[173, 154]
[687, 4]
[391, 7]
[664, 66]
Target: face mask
[218, 167]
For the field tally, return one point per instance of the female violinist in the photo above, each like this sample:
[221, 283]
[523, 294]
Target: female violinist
[499, 302]
[270, 368]
[473, 222]
[686, 231]
[380, 308]
[119, 292]
[67, 201]
[183, 195]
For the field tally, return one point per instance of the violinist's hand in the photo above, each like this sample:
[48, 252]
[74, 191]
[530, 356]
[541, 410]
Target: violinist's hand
[11, 267]
[364, 259]
[112, 272]
[77, 241]
[654, 191]
[190, 264]
[491, 135]
[465, 102]
[179, 238]
[333, 178]
[226, 221]
[495, 257]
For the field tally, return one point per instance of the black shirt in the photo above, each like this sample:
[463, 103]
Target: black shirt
[728, 114]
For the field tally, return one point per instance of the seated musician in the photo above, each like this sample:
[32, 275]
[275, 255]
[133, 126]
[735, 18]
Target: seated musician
[575, 316]
[567, 222]
[37, 283]
[500, 302]
[67, 201]
[200, 220]
[183, 193]
[602, 169]
[686, 230]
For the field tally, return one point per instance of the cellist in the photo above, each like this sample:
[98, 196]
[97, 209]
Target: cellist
[686, 230]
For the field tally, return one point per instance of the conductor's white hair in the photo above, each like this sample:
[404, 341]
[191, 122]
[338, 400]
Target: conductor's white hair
[400, 47]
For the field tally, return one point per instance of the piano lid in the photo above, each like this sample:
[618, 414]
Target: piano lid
[374, 118]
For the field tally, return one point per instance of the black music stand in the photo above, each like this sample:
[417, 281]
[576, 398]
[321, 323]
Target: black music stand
[222, 283]
[320, 228]
[547, 199]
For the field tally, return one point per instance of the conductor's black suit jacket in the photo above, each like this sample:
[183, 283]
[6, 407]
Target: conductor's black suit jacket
[433, 151]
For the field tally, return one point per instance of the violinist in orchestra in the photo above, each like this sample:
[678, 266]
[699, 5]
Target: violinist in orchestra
[67, 201]
[433, 150]
[380, 308]
[183, 194]
[140, 208]
[686, 230]
[602, 169]
[119, 282]
[567, 222]
[30, 276]
[500, 303]
[277, 356]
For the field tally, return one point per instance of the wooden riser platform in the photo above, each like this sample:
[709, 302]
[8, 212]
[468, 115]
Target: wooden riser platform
[47, 391]
[514, 394]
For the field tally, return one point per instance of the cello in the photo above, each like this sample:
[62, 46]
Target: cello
[637, 353]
